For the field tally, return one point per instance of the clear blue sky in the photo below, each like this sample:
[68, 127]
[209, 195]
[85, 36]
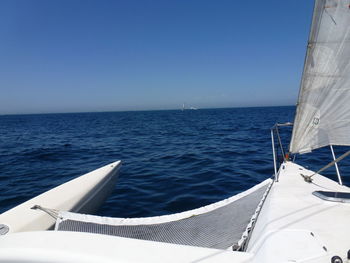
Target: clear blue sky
[71, 56]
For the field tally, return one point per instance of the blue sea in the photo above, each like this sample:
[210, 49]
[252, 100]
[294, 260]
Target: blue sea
[172, 160]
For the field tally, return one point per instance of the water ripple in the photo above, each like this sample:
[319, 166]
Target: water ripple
[172, 160]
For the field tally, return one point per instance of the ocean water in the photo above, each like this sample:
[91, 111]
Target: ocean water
[172, 160]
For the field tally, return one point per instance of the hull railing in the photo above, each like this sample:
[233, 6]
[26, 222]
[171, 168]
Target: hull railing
[281, 154]
[285, 156]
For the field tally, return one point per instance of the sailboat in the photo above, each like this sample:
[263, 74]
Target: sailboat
[298, 215]
[190, 108]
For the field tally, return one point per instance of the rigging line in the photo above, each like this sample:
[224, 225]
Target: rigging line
[308, 178]
[241, 245]
[336, 166]
[51, 212]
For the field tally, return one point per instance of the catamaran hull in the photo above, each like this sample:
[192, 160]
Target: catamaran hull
[93, 201]
[290, 226]
[83, 194]
[67, 247]
[296, 225]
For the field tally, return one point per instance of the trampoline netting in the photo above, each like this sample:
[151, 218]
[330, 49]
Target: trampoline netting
[219, 225]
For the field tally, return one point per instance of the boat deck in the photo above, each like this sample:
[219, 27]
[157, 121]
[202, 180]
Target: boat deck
[294, 225]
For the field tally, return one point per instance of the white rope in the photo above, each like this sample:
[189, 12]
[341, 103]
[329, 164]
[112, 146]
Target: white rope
[246, 234]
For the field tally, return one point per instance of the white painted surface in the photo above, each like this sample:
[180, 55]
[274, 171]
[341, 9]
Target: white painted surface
[81, 194]
[291, 213]
[52, 246]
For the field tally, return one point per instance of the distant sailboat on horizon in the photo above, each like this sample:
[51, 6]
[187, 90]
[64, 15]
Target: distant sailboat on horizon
[297, 215]
[190, 108]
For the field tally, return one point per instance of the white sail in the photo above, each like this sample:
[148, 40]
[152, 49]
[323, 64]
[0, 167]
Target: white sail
[323, 109]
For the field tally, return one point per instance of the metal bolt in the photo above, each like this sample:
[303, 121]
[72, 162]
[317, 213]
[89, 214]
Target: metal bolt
[336, 259]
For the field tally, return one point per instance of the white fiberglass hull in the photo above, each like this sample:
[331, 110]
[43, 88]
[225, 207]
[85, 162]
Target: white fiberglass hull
[294, 225]
[83, 194]
[64, 247]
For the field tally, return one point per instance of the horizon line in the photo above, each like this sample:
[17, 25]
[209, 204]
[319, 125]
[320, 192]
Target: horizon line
[138, 110]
